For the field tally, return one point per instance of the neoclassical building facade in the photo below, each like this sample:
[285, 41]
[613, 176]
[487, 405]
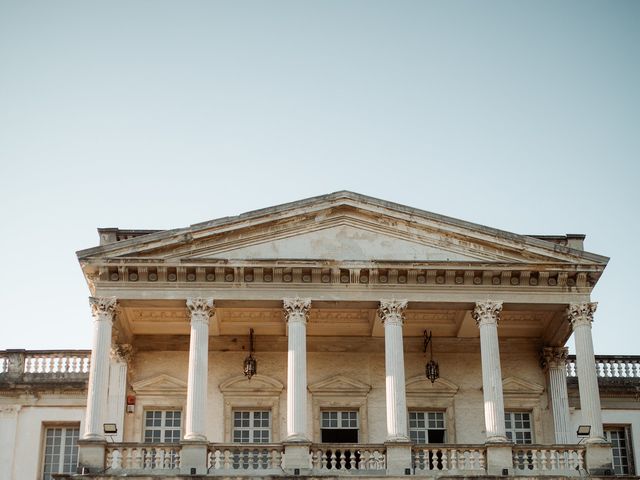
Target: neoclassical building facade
[339, 335]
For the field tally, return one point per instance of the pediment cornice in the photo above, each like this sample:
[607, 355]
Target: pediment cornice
[419, 386]
[257, 385]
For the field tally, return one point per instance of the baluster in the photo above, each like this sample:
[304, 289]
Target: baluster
[342, 458]
[544, 460]
[332, 459]
[444, 459]
[454, 459]
[315, 459]
[226, 464]
[482, 459]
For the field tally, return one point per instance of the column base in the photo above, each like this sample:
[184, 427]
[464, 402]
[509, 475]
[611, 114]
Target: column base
[193, 455]
[499, 458]
[398, 457]
[91, 455]
[296, 457]
[599, 458]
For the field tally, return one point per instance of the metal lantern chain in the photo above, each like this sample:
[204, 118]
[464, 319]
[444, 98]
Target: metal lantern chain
[250, 364]
[432, 370]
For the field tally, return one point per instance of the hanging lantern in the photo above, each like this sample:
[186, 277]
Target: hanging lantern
[432, 370]
[250, 363]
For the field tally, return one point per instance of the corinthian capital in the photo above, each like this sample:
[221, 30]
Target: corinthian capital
[296, 308]
[487, 312]
[553, 357]
[392, 311]
[581, 313]
[200, 308]
[103, 307]
[122, 352]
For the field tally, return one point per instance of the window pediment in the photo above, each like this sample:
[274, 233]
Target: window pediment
[258, 385]
[160, 385]
[518, 387]
[420, 386]
[340, 385]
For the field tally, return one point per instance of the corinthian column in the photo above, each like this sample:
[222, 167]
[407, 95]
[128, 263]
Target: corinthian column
[200, 310]
[391, 312]
[487, 314]
[554, 361]
[103, 310]
[581, 315]
[296, 311]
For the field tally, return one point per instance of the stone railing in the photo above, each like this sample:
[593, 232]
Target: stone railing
[565, 460]
[449, 459]
[329, 458]
[232, 459]
[26, 366]
[610, 366]
[141, 458]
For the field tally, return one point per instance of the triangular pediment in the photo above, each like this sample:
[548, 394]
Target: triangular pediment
[516, 387]
[419, 386]
[342, 226]
[258, 384]
[339, 384]
[160, 385]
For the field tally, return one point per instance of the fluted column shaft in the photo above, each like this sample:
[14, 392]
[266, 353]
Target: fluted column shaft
[103, 310]
[554, 361]
[296, 310]
[487, 315]
[581, 315]
[200, 310]
[391, 313]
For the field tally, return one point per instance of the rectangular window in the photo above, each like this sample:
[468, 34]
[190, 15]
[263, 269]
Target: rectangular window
[60, 450]
[162, 426]
[253, 426]
[620, 438]
[518, 426]
[339, 426]
[427, 427]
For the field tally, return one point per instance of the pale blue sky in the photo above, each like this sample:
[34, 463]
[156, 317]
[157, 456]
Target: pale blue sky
[523, 116]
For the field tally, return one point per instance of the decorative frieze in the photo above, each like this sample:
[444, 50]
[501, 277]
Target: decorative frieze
[138, 274]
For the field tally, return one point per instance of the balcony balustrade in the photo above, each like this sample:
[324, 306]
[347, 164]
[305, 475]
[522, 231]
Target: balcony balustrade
[44, 366]
[343, 458]
[565, 460]
[143, 458]
[236, 459]
[449, 459]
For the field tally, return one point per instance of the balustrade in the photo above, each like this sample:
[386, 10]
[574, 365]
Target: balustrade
[620, 366]
[449, 459]
[555, 460]
[325, 457]
[57, 362]
[226, 458]
[135, 457]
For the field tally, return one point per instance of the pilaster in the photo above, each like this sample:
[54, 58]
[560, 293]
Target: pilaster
[554, 362]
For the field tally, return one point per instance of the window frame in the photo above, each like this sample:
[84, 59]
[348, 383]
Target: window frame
[251, 428]
[629, 447]
[62, 454]
[426, 429]
[163, 428]
[515, 430]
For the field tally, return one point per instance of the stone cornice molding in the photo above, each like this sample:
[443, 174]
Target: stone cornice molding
[487, 312]
[200, 309]
[580, 314]
[392, 311]
[553, 357]
[296, 309]
[103, 308]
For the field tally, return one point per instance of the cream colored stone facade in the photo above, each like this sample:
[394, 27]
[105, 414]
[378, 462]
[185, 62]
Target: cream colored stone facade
[173, 309]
